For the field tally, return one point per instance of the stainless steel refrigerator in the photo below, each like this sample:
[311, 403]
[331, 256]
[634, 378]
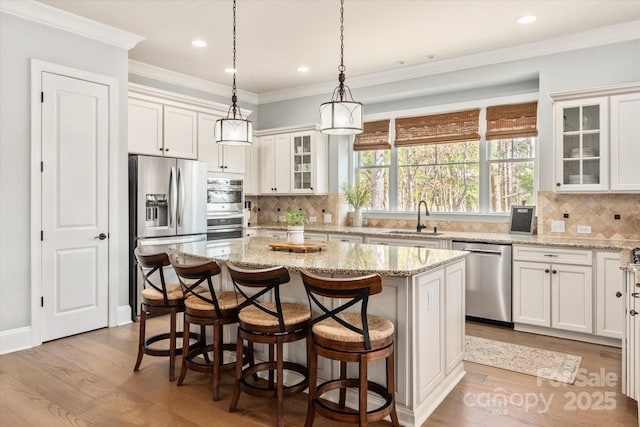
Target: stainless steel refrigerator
[167, 204]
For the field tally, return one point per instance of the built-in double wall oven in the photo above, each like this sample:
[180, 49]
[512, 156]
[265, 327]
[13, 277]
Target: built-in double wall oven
[225, 201]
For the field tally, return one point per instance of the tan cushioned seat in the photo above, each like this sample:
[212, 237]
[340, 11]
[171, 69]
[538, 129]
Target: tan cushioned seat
[292, 313]
[379, 328]
[226, 301]
[174, 292]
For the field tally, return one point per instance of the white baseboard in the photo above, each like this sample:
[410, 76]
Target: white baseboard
[559, 333]
[15, 340]
[123, 315]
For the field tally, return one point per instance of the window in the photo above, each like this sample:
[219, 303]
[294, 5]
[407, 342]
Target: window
[444, 175]
[443, 160]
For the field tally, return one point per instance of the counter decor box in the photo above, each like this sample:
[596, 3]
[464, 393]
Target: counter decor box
[522, 219]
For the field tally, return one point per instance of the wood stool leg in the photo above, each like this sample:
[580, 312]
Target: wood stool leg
[236, 386]
[362, 392]
[172, 345]
[143, 324]
[391, 386]
[313, 374]
[343, 390]
[185, 350]
[271, 364]
[203, 342]
[280, 382]
[217, 360]
[251, 357]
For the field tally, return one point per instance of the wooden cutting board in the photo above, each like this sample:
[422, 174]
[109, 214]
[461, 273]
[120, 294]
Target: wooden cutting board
[305, 247]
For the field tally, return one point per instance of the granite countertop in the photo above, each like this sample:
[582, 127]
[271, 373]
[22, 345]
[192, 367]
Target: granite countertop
[506, 238]
[335, 258]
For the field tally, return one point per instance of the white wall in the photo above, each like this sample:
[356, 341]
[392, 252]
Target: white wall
[21, 40]
[584, 68]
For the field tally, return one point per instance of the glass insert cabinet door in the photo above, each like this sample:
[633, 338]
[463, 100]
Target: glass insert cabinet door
[302, 164]
[581, 145]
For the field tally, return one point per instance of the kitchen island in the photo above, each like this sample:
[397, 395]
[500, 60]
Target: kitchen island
[423, 294]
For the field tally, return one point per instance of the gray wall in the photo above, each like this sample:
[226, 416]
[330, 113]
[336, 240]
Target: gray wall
[584, 68]
[21, 40]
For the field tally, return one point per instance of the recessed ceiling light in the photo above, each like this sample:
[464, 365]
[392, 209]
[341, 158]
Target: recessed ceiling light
[303, 69]
[230, 70]
[198, 43]
[527, 19]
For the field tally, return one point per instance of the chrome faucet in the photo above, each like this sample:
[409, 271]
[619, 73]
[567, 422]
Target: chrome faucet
[419, 227]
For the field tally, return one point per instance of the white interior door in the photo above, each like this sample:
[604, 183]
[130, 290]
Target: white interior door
[75, 118]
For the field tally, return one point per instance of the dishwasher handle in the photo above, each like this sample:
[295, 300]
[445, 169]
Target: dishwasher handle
[481, 251]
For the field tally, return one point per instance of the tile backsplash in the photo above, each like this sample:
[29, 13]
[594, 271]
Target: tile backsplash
[594, 210]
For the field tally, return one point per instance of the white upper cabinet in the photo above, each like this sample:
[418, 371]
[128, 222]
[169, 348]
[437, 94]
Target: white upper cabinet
[293, 161]
[162, 130]
[308, 163]
[596, 144]
[251, 170]
[180, 133]
[625, 142]
[581, 134]
[274, 152]
[219, 158]
[145, 127]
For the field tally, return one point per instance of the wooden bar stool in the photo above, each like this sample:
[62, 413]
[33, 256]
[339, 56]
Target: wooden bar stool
[349, 337]
[271, 323]
[205, 306]
[159, 298]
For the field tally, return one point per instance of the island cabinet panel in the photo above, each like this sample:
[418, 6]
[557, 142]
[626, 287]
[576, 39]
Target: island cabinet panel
[454, 312]
[429, 318]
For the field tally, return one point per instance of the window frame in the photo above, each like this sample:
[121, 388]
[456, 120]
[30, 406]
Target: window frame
[484, 159]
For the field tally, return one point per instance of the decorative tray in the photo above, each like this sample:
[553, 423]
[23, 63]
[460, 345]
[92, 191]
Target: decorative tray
[305, 247]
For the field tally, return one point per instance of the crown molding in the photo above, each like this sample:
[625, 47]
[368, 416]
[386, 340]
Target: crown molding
[288, 129]
[178, 100]
[591, 38]
[162, 74]
[598, 91]
[62, 20]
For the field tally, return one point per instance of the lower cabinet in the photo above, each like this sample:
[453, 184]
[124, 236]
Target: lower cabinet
[553, 294]
[609, 295]
[631, 341]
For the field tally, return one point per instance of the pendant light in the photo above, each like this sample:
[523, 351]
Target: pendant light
[234, 130]
[342, 115]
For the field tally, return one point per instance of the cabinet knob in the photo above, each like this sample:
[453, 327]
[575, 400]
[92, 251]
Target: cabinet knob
[636, 294]
[558, 184]
[554, 271]
[618, 294]
[311, 188]
[546, 270]
[161, 149]
[633, 312]
[166, 149]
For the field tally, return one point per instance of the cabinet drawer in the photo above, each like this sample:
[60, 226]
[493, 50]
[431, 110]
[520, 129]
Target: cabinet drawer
[344, 238]
[315, 237]
[274, 234]
[554, 255]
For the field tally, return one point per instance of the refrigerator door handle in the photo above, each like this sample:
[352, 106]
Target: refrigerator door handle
[172, 196]
[180, 197]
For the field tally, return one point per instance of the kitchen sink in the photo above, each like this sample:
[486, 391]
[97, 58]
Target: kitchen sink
[414, 233]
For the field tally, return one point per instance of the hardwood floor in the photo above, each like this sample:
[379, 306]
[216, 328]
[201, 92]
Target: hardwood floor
[88, 379]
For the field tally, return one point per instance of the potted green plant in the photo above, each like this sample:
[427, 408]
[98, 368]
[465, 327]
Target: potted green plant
[295, 227]
[357, 195]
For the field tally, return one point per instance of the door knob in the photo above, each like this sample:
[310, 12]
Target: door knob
[618, 294]
[101, 236]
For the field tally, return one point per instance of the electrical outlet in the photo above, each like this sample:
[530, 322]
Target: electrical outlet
[312, 219]
[584, 229]
[327, 218]
[557, 226]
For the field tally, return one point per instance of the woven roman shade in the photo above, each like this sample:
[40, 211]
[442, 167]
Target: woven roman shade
[443, 128]
[512, 121]
[374, 137]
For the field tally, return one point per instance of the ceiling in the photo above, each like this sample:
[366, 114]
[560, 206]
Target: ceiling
[274, 37]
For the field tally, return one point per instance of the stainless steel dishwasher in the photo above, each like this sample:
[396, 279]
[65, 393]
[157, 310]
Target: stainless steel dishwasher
[488, 281]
